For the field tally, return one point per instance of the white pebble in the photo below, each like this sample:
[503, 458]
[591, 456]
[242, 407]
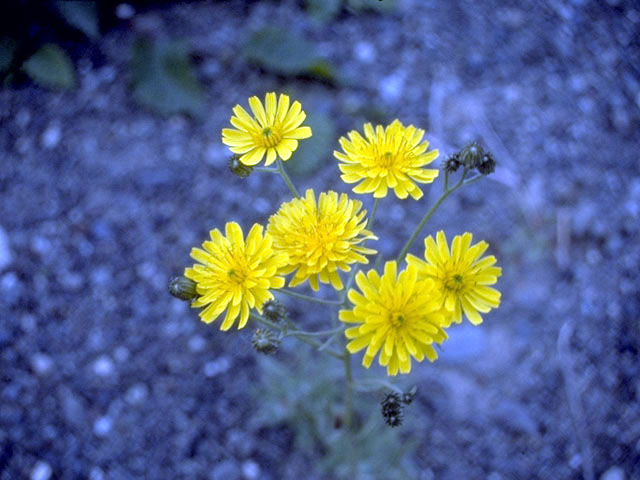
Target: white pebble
[103, 366]
[51, 136]
[216, 367]
[41, 471]
[124, 11]
[41, 363]
[364, 52]
[5, 251]
[250, 470]
[102, 426]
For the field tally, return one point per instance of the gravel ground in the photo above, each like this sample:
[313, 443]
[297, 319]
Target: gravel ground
[104, 376]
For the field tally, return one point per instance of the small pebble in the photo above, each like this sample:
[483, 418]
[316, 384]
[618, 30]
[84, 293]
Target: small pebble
[51, 136]
[250, 470]
[5, 250]
[215, 367]
[41, 471]
[102, 426]
[41, 363]
[103, 366]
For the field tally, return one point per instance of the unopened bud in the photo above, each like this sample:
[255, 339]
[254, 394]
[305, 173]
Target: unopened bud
[407, 397]
[471, 155]
[183, 288]
[392, 409]
[239, 168]
[265, 341]
[487, 165]
[274, 311]
[452, 163]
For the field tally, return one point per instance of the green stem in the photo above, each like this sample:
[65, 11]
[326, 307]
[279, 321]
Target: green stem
[319, 333]
[348, 410]
[428, 215]
[266, 169]
[301, 296]
[287, 180]
[304, 339]
[372, 217]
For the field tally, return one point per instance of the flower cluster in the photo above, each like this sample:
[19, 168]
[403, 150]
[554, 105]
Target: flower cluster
[397, 316]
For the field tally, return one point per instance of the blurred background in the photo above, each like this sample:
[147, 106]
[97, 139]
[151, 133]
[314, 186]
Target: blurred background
[112, 168]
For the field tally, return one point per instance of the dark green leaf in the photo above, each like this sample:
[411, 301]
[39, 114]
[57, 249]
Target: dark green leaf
[50, 67]
[316, 151]
[7, 51]
[324, 10]
[377, 5]
[280, 51]
[82, 15]
[164, 79]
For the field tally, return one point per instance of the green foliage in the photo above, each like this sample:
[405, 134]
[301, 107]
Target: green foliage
[7, 51]
[51, 67]
[307, 397]
[376, 5]
[284, 52]
[324, 10]
[314, 152]
[82, 15]
[164, 79]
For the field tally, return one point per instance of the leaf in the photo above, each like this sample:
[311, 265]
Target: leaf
[7, 52]
[315, 151]
[280, 51]
[324, 10]
[377, 5]
[50, 67]
[164, 79]
[82, 15]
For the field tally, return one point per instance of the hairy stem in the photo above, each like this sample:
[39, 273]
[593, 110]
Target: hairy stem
[287, 180]
[301, 296]
[429, 214]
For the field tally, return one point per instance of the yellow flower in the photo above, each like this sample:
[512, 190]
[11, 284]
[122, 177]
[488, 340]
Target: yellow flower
[387, 158]
[462, 275]
[235, 274]
[320, 238]
[398, 316]
[273, 131]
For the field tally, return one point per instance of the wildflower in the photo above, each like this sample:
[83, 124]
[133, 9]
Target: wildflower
[274, 130]
[391, 157]
[462, 275]
[235, 274]
[265, 341]
[399, 316]
[320, 238]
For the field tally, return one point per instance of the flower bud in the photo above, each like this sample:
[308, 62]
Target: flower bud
[274, 311]
[265, 341]
[183, 288]
[392, 409]
[240, 169]
[471, 155]
[452, 163]
[407, 397]
[487, 165]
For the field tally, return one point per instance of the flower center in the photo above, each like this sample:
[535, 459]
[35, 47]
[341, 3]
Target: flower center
[396, 319]
[270, 138]
[454, 282]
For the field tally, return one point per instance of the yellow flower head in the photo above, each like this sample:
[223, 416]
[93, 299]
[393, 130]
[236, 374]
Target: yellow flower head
[274, 130]
[320, 238]
[462, 275]
[391, 157]
[399, 316]
[235, 274]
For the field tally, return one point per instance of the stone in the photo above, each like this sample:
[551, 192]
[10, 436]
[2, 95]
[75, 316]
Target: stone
[5, 250]
[41, 471]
